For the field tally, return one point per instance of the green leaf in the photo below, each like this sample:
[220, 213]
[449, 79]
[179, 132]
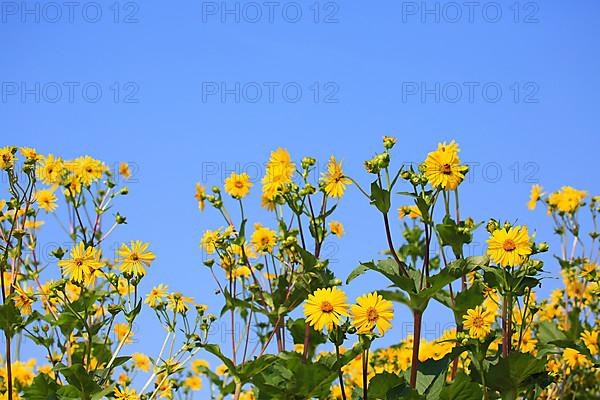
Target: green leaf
[382, 383]
[10, 318]
[80, 379]
[380, 198]
[42, 388]
[297, 329]
[510, 374]
[462, 388]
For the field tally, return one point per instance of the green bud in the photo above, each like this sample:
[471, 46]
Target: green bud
[216, 189]
[58, 253]
[308, 162]
[389, 142]
[209, 263]
[492, 225]
[119, 219]
[543, 247]
[406, 175]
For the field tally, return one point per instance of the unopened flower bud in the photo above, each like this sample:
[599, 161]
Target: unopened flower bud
[389, 142]
[492, 225]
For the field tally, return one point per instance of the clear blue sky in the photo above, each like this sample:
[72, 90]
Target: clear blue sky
[371, 63]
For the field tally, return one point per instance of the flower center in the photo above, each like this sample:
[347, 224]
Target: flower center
[446, 169]
[478, 322]
[134, 257]
[372, 314]
[326, 307]
[509, 245]
[78, 262]
[239, 184]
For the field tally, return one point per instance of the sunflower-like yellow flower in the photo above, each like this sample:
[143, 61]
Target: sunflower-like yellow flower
[509, 247]
[83, 263]
[200, 195]
[575, 359]
[192, 383]
[567, 199]
[337, 228]
[534, 196]
[124, 170]
[156, 295]
[334, 180]
[50, 170]
[126, 394]
[46, 200]
[479, 322]
[199, 366]
[590, 339]
[7, 157]
[372, 311]
[86, 169]
[442, 167]
[23, 298]
[325, 308]
[238, 185]
[29, 153]
[178, 302]
[412, 212]
[141, 362]
[279, 172]
[263, 239]
[134, 258]
[123, 332]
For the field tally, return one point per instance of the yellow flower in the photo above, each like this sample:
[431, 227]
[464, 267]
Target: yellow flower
[334, 180]
[209, 240]
[239, 272]
[412, 212]
[336, 228]
[372, 311]
[221, 370]
[263, 239]
[590, 339]
[87, 169]
[123, 332]
[124, 170]
[567, 199]
[479, 322]
[23, 372]
[82, 264]
[238, 185]
[50, 170]
[279, 172]
[199, 365]
[575, 359]
[126, 394]
[192, 383]
[141, 362]
[7, 157]
[534, 196]
[134, 258]
[509, 247]
[46, 200]
[30, 153]
[178, 302]
[442, 167]
[156, 295]
[23, 299]
[200, 195]
[325, 308]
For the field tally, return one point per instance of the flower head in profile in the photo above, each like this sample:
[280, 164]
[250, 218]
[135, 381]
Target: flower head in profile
[200, 195]
[7, 157]
[238, 185]
[124, 170]
[46, 200]
[567, 199]
[478, 322]
[372, 311]
[263, 239]
[575, 359]
[30, 153]
[325, 308]
[412, 212]
[126, 394]
[23, 298]
[123, 332]
[82, 264]
[509, 247]
[534, 196]
[279, 172]
[442, 167]
[178, 302]
[141, 362]
[336, 228]
[135, 258]
[334, 181]
[192, 383]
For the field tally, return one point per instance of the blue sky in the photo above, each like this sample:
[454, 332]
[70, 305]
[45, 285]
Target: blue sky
[186, 97]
